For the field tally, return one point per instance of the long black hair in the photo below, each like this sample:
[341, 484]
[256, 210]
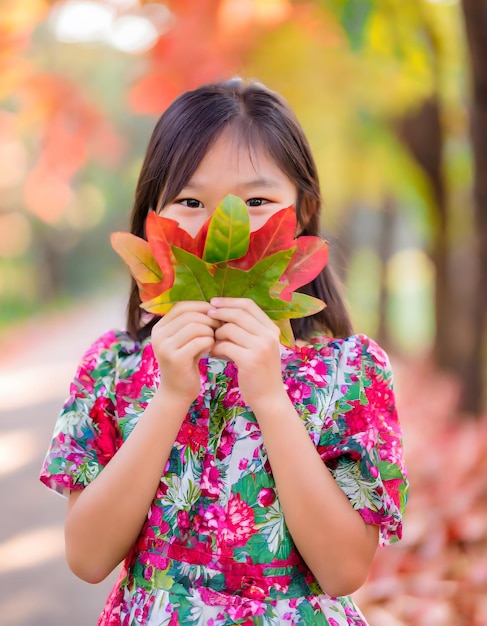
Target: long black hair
[180, 140]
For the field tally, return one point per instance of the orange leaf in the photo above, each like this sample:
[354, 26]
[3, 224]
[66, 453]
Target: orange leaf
[137, 254]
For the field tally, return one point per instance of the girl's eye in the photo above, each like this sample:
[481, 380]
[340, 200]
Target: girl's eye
[191, 203]
[256, 201]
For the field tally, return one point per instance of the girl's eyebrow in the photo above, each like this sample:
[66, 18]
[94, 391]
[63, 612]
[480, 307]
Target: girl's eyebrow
[248, 184]
[259, 182]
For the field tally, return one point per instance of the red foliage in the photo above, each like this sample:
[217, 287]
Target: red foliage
[438, 574]
[206, 42]
[187, 55]
[71, 129]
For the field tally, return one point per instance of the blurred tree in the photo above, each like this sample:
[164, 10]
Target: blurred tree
[424, 128]
[218, 33]
[363, 73]
[421, 129]
[51, 130]
[475, 13]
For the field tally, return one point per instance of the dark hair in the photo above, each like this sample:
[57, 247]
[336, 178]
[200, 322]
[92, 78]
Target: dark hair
[180, 140]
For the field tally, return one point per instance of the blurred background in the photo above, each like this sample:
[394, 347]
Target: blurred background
[393, 97]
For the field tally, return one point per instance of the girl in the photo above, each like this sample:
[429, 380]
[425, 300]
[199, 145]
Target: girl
[240, 482]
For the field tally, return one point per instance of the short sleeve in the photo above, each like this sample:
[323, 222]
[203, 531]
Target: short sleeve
[361, 440]
[86, 434]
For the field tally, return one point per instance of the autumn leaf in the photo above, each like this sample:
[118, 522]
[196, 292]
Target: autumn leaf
[163, 231]
[228, 231]
[311, 253]
[161, 234]
[144, 268]
[193, 281]
[226, 259]
[197, 280]
[137, 254]
[276, 234]
[287, 335]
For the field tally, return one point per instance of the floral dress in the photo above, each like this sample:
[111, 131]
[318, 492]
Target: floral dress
[214, 549]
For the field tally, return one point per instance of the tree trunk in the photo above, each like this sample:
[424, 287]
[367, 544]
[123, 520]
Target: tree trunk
[475, 15]
[50, 266]
[421, 132]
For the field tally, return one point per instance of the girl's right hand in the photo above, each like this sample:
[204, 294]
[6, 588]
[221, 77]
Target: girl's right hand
[179, 340]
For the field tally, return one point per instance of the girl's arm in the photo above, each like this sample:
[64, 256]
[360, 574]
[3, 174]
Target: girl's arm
[331, 536]
[104, 519]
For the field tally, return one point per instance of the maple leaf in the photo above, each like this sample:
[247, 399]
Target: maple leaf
[310, 253]
[228, 232]
[226, 259]
[144, 268]
[278, 234]
[275, 235]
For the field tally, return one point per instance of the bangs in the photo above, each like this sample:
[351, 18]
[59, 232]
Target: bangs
[242, 131]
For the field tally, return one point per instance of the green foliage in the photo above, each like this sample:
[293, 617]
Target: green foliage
[354, 16]
[228, 232]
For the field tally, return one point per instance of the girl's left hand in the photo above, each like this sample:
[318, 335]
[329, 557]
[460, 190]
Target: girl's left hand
[250, 338]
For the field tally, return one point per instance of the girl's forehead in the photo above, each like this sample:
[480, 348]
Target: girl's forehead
[240, 144]
[240, 138]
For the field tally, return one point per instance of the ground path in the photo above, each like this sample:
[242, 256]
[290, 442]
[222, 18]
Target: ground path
[37, 361]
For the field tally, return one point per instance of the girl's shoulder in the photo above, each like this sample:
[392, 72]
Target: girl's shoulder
[358, 347]
[113, 344]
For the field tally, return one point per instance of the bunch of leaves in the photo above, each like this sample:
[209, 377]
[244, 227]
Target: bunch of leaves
[226, 259]
[438, 573]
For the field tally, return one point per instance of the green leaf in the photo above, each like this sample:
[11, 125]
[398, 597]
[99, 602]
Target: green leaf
[228, 231]
[307, 614]
[301, 305]
[287, 335]
[162, 580]
[255, 282]
[192, 281]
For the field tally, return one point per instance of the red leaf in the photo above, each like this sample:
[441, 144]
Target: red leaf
[166, 229]
[200, 239]
[275, 235]
[162, 232]
[149, 291]
[278, 234]
[307, 262]
[143, 266]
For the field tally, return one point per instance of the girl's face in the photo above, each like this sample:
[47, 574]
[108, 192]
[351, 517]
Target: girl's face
[230, 168]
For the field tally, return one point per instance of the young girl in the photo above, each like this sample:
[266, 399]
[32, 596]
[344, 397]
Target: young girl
[239, 481]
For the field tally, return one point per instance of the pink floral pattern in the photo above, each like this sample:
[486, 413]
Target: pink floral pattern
[215, 549]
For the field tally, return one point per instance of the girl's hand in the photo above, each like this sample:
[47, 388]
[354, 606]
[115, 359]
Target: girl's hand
[180, 339]
[248, 337]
